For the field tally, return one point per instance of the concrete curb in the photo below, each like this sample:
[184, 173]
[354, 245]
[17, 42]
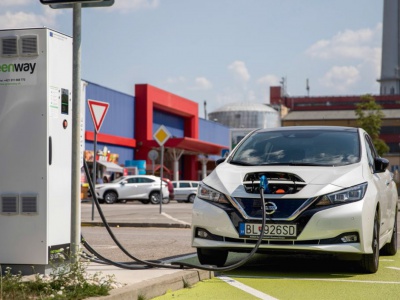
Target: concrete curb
[158, 286]
[123, 224]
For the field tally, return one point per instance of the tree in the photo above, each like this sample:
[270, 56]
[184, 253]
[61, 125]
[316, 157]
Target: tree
[370, 116]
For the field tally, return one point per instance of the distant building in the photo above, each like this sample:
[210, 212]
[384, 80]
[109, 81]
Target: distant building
[246, 115]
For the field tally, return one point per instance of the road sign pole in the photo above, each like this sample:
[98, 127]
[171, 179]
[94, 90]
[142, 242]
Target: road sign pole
[161, 177]
[94, 169]
[161, 136]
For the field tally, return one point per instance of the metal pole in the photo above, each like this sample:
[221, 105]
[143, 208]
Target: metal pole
[76, 131]
[161, 176]
[94, 168]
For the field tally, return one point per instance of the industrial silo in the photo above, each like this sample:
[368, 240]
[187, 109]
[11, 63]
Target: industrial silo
[246, 115]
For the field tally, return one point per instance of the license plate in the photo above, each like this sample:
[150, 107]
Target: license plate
[270, 230]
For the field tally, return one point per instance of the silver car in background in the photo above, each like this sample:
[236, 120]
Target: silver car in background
[185, 190]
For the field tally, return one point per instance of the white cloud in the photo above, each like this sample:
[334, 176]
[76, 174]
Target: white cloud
[340, 77]
[354, 44]
[22, 20]
[239, 70]
[202, 83]
[14, 2]
[134, 5]
[359, 49]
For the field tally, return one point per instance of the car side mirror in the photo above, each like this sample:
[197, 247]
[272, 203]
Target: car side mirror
[220, 161]
[124, 182]
[381, 164]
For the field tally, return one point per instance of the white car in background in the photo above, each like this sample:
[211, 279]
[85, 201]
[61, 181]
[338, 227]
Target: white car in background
[327, 191]
[145, 188]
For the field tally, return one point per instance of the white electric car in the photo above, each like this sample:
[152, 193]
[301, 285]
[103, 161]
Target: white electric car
[327, 191]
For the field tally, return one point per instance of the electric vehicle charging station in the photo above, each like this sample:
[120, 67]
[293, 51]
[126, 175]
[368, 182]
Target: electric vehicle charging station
[35, 146]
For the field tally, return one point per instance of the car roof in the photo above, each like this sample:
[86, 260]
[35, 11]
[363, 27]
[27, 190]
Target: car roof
[147, 176]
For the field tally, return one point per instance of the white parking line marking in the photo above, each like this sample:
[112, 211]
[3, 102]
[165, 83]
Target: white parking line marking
[246, 288]
[174, 219]
[319, 279]
[385, 259]
[394, 268]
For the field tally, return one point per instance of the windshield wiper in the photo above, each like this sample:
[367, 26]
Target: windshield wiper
[240, 163]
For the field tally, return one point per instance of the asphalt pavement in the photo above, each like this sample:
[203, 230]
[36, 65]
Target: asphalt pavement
[147, 283]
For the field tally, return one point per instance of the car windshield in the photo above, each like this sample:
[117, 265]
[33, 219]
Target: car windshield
[316, 147]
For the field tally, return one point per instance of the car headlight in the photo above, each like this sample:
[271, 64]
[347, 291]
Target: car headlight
[348, 195]
[204, 192]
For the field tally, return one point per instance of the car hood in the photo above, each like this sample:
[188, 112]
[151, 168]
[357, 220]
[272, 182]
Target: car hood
[228, 178]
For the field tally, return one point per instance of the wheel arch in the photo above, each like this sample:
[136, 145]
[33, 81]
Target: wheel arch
[110, 190]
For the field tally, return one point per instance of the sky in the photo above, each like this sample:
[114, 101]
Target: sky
[222, 51]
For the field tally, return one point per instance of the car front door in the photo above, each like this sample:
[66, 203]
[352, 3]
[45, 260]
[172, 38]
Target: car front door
[128, 189]
[381, 180]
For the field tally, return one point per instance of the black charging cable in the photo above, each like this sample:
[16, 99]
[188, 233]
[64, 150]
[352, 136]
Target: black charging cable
[143, 264]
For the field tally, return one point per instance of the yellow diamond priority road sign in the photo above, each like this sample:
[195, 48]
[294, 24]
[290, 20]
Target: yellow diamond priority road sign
[161, 135]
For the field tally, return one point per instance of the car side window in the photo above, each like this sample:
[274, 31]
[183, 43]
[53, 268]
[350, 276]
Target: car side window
[174, 184]
[371, 152]
[132, 180]
[145, 180]
[185, 184]
[195, 184]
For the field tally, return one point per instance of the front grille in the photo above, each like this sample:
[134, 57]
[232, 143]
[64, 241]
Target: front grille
[272, 242]
[329, 241]
[285, 207]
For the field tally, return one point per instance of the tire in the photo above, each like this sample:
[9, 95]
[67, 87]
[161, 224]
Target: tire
[391, 247]
[191, 198]
[165, 201]
[154, 198]
[110, 197]
[370, 262]
[212, 257]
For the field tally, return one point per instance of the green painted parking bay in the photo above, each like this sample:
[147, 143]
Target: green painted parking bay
[297, 277]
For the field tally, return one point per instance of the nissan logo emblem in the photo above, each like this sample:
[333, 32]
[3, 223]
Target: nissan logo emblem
[270, 208]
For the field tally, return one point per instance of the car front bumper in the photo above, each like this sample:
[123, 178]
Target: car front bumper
[322, 233]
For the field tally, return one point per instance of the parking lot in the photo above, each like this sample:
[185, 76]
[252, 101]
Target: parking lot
[264, 277]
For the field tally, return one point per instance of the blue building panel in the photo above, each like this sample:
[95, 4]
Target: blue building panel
[119, 119]
[213, 132]
[174, 124]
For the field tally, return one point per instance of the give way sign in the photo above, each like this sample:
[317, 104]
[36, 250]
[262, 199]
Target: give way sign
[98, 111]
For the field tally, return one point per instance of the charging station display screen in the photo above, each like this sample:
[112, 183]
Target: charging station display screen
[64, 101]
